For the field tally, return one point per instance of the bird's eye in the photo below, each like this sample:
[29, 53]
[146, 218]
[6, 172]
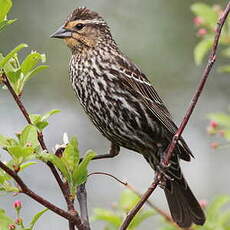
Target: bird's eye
[79, 26]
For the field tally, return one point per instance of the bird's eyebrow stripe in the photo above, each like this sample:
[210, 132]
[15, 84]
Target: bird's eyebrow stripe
[74, 23]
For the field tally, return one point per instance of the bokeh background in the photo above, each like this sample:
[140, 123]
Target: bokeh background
[160, 37]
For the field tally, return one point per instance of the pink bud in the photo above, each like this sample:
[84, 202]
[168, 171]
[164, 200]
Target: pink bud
[201, 32]
[214, 145]
[17, 204]
[213, 124]
[11, 226]
[197, 21]
[203, 203]
[18, 221]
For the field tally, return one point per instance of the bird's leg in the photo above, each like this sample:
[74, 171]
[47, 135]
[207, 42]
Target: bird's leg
[114, 151]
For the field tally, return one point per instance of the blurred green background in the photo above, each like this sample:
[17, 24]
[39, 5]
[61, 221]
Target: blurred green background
[160, 37]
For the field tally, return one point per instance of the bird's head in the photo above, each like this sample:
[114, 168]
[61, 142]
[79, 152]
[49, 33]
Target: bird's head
[83, 28]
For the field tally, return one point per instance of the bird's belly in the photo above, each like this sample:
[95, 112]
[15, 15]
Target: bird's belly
[119, 117]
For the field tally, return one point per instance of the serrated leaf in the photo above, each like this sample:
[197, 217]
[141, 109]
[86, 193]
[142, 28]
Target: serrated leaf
[29, 136]
[80, 175]
[206, 12]
[36, 218]
[128, 200]
[107, 216]
[201, 50]
[5, 6]
[220, 118]
[141, 217]
[216, 205]
[11, 54]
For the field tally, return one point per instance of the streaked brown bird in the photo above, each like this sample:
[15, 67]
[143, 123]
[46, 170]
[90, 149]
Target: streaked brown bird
[125, 107]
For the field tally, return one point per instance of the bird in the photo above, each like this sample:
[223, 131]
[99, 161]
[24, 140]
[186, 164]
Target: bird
[125, 107]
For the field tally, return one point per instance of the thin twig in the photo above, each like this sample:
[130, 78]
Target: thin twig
[211, 61]
[82, 200]
[24, 189]
[130, 187]
[63, 187]
[183, 124]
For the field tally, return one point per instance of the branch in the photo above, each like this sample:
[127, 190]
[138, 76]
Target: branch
[82, 199]
[130, 187]
[74, 218]
[63, 187]
[40, 135]
[176, 137]
[211, 61]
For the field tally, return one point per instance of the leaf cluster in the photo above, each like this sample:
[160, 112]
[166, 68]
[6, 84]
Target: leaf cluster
[207, 17]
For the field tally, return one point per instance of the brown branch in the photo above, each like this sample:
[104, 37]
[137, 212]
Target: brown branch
[211, 61]
[176, 137]
[130, 187]
[63, 187]
[74, 218]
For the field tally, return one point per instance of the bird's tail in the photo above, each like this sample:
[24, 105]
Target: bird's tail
[184, 207]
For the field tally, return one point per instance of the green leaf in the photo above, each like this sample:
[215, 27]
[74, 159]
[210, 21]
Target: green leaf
[30, 62]
[29, 136]
[5, 220]
[5, 6]
[4, 23]
[206, 12]
[107, 216]
[221, 118]
[57, 162]
[11, 54]
[71, 154]
[3, 141]
[25, 165]
[36, 218]
[227, 134]
[50, 113]
[128, 200]
[201, 50]
[34, 71]
[20, 153]
[216, 205]
[80, 175]
[141, 217]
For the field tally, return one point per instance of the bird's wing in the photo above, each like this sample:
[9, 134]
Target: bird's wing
[136, 81]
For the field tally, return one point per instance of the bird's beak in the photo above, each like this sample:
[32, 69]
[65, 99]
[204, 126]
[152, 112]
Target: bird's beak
[61, 33]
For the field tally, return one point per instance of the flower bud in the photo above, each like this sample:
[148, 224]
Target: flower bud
[18, 221]
[198, 21]
[201, 32]
[213, 124]
[17, 204]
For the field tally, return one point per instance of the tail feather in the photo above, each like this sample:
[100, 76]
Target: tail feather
[184, 207]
